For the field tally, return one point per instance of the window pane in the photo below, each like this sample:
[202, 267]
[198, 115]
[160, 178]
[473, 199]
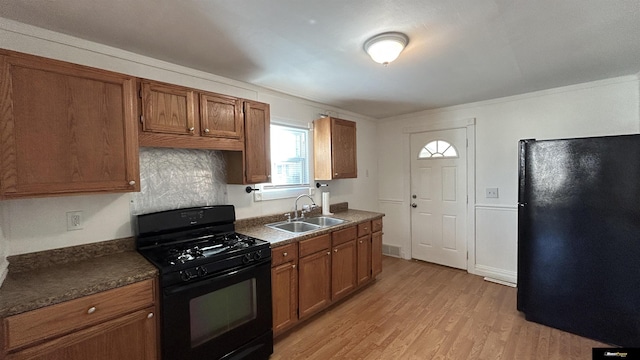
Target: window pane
[289, 156]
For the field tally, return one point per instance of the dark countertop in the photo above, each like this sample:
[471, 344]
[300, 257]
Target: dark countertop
[280, 238]
[31, 287]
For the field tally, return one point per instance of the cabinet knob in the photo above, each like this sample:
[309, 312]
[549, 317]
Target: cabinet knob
[132, 182]
[91, 310]
[149, 315]
[335, 174]
[335, 250]
[191, 129]
[360, 241]
[328, 252]
[293, 266]
[206, 131]
[284, 254]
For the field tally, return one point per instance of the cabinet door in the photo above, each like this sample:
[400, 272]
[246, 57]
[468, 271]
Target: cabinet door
[343, 269]
[376, 253]
[257, 153]
[65, 129]
[129, 337]
[364, 259]
[314, 287]
[343, 149]
[284, 281]
[168, 109]
[221, 116]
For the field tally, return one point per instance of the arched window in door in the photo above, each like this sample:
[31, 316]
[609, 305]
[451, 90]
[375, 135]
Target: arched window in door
[438, 149]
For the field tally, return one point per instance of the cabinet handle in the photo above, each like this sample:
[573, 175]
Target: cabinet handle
[91, 310]
[132, 182]
[191, 129]
[149, 315]
[206, 131]
[284, 254]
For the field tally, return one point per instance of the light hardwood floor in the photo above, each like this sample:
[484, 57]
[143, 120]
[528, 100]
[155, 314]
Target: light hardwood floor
[417, 310]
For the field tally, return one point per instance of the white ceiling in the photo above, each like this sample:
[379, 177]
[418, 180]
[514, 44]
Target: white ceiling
[459, 50]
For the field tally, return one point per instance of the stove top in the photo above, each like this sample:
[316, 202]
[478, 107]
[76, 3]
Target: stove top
[204, 247]
[195, 243]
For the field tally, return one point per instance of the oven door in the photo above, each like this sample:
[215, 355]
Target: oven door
[224, 316]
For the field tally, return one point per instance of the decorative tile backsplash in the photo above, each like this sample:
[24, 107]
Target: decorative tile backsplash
[179, 178]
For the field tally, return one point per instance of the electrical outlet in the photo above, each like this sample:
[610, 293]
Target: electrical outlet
[74, 220]
[491, 193]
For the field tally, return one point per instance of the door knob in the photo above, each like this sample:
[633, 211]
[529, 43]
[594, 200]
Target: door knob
[414, 205]
[414, 196]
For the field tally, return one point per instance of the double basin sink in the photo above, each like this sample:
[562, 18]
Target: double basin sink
[306, 225]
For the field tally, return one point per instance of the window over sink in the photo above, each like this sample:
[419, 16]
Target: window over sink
[289, 163]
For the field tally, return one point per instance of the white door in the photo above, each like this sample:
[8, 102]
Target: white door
[439, 197]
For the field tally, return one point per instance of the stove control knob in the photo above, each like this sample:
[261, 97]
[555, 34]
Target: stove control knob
[202, 271]
[247, 258]
[257, 255]
[185, 275]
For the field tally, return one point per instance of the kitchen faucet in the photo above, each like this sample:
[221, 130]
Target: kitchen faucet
[295, 213]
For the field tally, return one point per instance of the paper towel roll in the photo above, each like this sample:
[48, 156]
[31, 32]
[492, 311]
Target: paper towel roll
[325, 204]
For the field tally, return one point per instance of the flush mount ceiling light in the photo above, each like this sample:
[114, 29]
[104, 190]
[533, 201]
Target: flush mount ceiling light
[386, 47]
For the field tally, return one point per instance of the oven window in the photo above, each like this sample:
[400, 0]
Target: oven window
[222, 310]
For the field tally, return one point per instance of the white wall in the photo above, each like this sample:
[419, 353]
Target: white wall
[39, 224]
[604, 107]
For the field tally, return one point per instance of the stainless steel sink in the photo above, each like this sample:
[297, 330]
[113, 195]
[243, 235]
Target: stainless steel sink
[323, 221]
[306, 225]
[296, 227]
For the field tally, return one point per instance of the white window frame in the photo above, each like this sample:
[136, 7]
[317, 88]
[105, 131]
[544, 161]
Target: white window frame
[275, 192]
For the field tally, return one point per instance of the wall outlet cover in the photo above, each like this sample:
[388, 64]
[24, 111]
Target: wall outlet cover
[491, 193]
[74, 220]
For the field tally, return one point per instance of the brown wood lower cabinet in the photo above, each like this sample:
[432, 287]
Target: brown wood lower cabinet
[115, 324]
[314, 275]
[329, 267]
[284, 287]
[344, 263]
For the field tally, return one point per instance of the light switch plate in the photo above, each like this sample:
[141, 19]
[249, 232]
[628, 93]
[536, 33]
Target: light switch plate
[491, 193]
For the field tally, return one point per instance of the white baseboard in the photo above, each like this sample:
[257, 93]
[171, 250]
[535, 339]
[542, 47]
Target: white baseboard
[496, 274]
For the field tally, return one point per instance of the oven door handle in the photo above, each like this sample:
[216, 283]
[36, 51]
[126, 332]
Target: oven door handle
[206, 282]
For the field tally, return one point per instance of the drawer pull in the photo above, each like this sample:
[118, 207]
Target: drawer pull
[284, 254]
[91, 310]
[149, 316]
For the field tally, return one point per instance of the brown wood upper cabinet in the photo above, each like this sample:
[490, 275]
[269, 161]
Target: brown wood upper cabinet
[253, 165]
[180, 117]
[66, 128]
[334, 149]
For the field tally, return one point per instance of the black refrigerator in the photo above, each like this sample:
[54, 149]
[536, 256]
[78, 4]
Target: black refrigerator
[579, 236]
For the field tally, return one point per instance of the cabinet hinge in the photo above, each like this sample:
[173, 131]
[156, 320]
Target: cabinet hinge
[142, 119]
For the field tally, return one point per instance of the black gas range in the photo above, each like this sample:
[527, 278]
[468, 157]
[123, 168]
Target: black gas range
[215, 284]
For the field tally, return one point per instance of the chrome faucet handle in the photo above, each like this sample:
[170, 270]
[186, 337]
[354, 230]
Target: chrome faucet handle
[288, 216]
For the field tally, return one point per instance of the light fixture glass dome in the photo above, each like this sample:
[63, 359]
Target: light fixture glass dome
[386, 47]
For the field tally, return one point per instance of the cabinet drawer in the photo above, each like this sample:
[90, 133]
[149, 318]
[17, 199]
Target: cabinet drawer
[342, 236]
[313, 245]
[376, 225]
[364, 229]
[59, 319]
[283, 254]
